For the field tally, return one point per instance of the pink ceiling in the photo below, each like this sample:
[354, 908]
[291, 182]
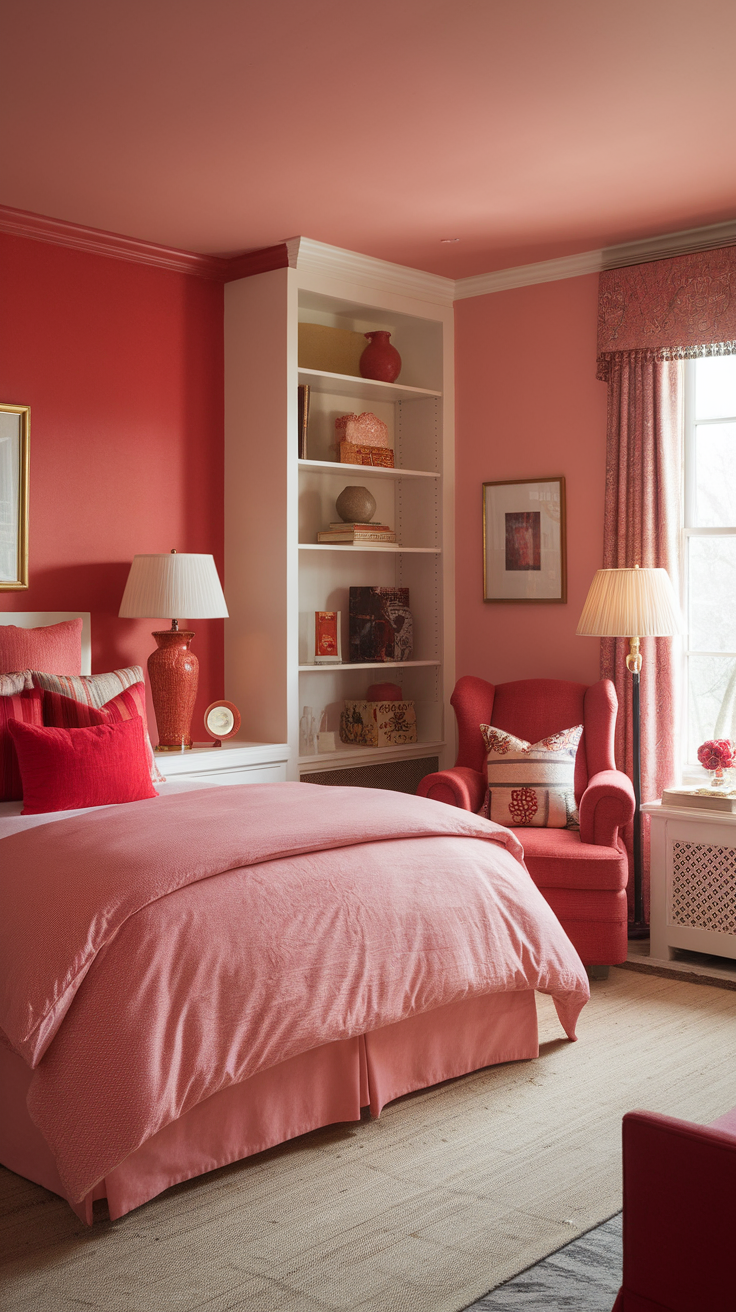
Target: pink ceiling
[528, 129]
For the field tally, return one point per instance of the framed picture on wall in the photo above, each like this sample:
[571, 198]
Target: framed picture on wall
[15, 431]
[524, 555]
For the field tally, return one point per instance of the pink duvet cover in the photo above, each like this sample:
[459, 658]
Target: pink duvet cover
[153, 955]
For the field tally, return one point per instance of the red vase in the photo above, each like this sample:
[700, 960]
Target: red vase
[173, 671]
[380, 360]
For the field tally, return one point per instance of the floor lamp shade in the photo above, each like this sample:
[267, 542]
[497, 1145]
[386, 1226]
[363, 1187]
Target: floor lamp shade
[175, 584]
[632, 603]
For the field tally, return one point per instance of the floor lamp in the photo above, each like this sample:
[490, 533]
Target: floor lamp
[632, 603]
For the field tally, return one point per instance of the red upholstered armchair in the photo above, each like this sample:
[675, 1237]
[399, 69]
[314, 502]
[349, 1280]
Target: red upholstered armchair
[582, 875]
[679, 1214]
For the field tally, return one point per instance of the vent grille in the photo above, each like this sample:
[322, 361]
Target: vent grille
[400, 776]
[703, 892]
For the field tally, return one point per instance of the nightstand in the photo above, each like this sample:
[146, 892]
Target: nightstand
[233, 763]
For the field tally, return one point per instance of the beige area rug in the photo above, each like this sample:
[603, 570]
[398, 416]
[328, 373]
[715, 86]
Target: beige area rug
[451, 1192]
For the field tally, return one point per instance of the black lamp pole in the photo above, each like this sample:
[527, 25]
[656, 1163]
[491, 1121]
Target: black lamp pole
[638, 928]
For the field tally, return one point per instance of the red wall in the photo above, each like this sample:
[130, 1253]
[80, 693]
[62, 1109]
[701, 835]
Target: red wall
[122, 366]
[529, 405]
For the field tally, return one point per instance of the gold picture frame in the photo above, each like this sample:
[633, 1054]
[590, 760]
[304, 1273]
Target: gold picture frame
[15, 440]
[524, 540]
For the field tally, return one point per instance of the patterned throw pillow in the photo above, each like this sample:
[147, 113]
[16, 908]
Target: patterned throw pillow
[532, 783]
[17, 681]
[26, 706]
[99, 691]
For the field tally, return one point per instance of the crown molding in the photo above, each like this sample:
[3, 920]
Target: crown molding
[310, 256]
[38, 227]
[316, 257]
[252, 262]
[686, 242]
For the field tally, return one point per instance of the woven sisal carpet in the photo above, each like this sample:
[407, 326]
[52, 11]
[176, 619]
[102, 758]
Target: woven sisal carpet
[451, 1192]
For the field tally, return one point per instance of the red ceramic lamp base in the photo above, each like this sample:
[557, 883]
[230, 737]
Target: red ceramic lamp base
[174, 674]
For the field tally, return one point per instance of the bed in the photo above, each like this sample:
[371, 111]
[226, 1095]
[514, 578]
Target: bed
[188, 980]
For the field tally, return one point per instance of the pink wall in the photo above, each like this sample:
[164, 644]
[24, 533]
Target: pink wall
[529, 405]
[122, 366]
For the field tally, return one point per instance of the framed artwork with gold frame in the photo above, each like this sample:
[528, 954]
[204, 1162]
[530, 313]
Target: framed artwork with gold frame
[15, 436]
[524, 548]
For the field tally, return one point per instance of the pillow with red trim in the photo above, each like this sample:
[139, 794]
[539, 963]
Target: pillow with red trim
[56, 647]
[100, 692]
[62, 712]
[65, 769]
[27, 706]
[532, 784]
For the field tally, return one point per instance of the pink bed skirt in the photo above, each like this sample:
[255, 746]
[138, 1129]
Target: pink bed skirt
[322, 1087]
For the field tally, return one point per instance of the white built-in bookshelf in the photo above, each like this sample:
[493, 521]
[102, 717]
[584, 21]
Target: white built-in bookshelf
[276, 574]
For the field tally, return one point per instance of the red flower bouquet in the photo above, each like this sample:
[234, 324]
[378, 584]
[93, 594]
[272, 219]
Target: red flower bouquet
[717, 754]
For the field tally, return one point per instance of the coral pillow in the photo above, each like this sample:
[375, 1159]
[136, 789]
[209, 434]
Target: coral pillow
[63, 769]
[60, 712]
[100, 691]
[28, 707]
[56, 647]
[532, 783]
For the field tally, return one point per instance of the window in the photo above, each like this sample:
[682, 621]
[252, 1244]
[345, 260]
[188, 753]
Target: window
[710, 551]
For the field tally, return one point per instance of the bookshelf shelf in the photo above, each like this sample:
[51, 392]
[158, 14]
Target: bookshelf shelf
[349, 385]
[345, 755]
[345, 547]
[365, 471]
[365, 665]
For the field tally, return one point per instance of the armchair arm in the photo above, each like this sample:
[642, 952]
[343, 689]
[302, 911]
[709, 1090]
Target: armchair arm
[460, 786]
[605, 807]
[679, 1214]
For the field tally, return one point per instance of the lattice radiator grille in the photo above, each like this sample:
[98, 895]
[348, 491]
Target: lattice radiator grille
[703, 892]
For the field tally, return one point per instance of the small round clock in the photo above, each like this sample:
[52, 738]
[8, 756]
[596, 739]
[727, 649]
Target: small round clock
[222, 720]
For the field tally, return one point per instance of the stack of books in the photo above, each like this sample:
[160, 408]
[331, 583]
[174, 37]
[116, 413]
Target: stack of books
[703, 798]
[373, 534]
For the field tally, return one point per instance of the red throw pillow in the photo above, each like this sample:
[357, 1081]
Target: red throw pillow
[64, 769]
[27, 707]
[62, 712]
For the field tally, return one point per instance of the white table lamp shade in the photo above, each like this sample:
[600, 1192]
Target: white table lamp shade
[175, 585]
[630, 603]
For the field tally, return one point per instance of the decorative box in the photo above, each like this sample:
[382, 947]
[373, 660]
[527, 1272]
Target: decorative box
[378, 724]
[382, 456]
[334, 350]
[363, 430]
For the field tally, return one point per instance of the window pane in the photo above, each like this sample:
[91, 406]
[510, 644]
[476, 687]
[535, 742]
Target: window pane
[715, 387]
[712, 700]
[715, 475]
[712, 593]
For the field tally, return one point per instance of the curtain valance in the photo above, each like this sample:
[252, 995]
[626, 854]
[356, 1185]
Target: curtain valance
[674, 309]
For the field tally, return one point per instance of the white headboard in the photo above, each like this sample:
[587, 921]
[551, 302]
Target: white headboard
[33, 619]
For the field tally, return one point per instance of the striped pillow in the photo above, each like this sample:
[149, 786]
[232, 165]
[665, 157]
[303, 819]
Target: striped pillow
[532, 784]
[17, 681]
[27, 707]
[121, 693]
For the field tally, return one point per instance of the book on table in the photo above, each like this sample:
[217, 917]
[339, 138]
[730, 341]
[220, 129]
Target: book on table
[700, 798]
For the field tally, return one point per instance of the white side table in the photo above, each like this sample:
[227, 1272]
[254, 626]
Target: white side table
[693, 881]
[232, 763]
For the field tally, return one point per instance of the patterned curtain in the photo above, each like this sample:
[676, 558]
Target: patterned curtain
[650, 317]
[641, 527]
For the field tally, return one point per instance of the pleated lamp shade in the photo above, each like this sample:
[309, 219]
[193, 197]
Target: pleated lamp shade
[175, 585]
[630, 603]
